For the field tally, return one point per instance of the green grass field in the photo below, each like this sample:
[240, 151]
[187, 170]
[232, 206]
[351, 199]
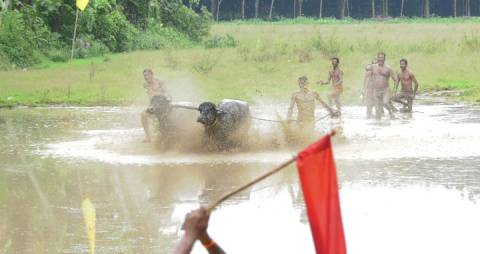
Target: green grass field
[265, 66]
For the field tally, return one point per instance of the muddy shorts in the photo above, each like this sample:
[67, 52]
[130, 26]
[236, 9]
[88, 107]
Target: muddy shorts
[337, 90]
[369, 96]
[382, 95]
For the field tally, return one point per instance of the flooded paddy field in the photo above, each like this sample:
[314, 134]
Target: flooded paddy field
[410, 185]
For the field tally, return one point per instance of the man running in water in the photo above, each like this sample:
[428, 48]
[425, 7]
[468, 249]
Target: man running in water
[305, 101]
[367, 93]
[407, 92]
[153, 86]
[335, 76]
[381, 91]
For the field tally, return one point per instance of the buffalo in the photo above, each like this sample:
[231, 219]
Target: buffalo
[173, 124]
[226, 125]
[160, 107]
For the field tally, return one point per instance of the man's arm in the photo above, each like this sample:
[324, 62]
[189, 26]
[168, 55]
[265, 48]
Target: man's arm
[415, 82]
[290, 108]
[211, 246]
[159, 86]
[325, 105]
[395, 85]
[395, 80]
[365, 86]
[321, 82]
[369, 67]
[195, 223]
[185, 245]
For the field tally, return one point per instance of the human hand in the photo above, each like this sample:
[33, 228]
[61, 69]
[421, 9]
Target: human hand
[335, 114]
[196, 222]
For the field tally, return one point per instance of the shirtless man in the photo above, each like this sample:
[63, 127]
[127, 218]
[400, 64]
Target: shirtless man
[381, 88]
[335, 76]
[305, 101]
[407, 93]
[153, 86]
[367, 93]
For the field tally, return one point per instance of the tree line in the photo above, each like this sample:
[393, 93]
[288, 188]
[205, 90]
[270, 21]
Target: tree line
[33, 30]
[357, 9]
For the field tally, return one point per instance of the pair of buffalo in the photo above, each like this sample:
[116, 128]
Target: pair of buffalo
[226, 126]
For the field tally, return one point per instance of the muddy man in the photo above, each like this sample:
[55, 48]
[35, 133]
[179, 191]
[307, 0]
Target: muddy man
[407, 92]
[305, 101]
[153, 86]
[367, 92]
[381, 74]
[335, 76]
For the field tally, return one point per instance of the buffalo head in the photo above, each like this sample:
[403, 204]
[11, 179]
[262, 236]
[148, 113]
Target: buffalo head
[208, 113]
[159, 106]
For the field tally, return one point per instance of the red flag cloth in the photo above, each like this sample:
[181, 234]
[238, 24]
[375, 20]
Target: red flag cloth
[318, 177]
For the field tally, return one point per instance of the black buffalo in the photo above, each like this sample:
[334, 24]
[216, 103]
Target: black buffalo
[161, 108]
[226, 125]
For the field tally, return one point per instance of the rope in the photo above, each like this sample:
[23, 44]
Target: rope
[270, 120]
[252, 117]
[280, 121]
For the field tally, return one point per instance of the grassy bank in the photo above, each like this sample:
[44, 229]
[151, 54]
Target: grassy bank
[265, 65]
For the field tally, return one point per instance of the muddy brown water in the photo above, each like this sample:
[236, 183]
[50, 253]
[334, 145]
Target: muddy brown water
[411, 185]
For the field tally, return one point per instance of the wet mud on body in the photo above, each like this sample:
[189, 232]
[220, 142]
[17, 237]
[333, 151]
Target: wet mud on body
[410, 185]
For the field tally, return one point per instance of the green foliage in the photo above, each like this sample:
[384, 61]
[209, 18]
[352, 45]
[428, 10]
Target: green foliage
[170, 60]
[264, 52]
[16, 40]
[43, 38]
[219, 41]
[205, 64]
[470, 43]
[86, 47]
[111, 27]
[304, 55]
[185, 20]
[244, 52]
[4, 62]
[57, 55]
[158, 37]
[329, 47]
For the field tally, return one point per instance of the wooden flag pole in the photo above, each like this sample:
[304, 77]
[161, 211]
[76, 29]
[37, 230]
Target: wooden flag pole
[74, 34]
[256, 180]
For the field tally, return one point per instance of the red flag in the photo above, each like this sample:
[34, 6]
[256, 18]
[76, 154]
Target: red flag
[318, 177]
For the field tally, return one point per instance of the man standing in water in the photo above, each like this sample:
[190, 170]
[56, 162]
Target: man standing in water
[367, 93]
[335, 76]
[407, 93]
[153, 86]
[305, 101]
[381, 88]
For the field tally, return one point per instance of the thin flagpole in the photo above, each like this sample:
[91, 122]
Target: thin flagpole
[74, 35]
[256, 180]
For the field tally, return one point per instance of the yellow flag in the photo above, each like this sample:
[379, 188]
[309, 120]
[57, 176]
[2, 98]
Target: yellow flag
[82, 4]
[89, 216]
